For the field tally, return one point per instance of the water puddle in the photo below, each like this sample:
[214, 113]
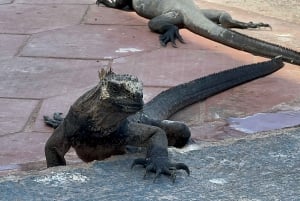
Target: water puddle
[265, 121]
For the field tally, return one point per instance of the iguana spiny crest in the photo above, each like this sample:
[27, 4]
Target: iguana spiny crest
[114, 98]
[122, 90]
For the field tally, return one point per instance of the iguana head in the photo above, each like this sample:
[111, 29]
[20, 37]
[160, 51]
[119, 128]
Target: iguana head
[114, 98]
[124, 92]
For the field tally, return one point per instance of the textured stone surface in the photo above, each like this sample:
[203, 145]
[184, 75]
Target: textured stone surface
[169, 66]
[32, 18]
[14, 114]
[5, 1]
[18, 148]
[10, 44]
[264, 168]
[88, 41]
[60, 103]
[40, 78]
[55, 1]
[103, 15]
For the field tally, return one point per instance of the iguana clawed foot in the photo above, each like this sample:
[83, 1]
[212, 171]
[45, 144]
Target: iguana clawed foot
[55, 121]
[257, 25]
[160, 165]
[170, 35]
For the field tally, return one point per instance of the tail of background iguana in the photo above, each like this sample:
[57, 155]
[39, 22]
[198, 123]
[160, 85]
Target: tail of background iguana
[259, 47]
[237, 40]
[170, 101]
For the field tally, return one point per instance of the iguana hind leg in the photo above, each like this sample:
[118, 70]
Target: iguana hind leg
[178, 133]
[225, 20]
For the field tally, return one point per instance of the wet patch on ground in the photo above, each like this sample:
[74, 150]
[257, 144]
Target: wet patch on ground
[265, 121]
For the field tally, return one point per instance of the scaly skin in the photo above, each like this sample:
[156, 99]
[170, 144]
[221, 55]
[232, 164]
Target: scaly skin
[167, 16]
[111, 116]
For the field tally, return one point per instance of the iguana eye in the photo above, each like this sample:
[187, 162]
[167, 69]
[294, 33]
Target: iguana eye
[114, 89]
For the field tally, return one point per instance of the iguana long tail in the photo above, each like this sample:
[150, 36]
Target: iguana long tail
[172, 100]
[259, 47]
[237, 40]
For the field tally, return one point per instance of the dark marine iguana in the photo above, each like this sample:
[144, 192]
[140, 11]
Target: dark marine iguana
[167, 16]
[111, 116]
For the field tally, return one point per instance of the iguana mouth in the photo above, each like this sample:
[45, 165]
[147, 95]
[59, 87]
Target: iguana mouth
[129, 107]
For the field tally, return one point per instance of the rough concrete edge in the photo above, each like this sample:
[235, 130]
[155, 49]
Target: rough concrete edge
[192, 147]
[229, 141]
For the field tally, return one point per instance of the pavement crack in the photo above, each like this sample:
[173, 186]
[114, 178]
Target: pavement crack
[33, 117]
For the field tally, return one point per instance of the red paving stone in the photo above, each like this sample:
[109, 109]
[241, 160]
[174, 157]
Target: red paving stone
[91, 42]
[22, 148]
[102, 15]
[41, 78]
[171, 66]
[5, 1]
[25, 19]
[60, 103]
[10, 44]
[37, 2]
[14, 115]
[50, 52]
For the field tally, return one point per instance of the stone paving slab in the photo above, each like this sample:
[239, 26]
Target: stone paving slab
[42, 77]
[5, 1]
[171, 66]
[37, 2]
[91, 42]
[10, 44]
[60, 103]
[19, 147]
[32, 18]
[264, 167]
[14, 114]
[102, 15]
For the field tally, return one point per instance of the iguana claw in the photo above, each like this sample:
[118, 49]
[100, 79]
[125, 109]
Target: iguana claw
[161, 166]
[170, 35]
[257, 25]
[55, 121]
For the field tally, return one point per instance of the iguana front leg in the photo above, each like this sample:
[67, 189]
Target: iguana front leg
[167, 25]
[225, 20]
[157, 150]
[58, 144]
[56, 147]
